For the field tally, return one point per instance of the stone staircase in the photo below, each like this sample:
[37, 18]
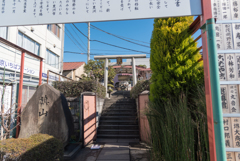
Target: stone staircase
[119, 118]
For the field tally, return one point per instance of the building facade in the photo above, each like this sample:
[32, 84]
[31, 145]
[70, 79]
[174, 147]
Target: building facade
[74, 70]
[124, 73]
[46, 41]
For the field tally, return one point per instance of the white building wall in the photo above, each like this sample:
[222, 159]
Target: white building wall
[41, 35]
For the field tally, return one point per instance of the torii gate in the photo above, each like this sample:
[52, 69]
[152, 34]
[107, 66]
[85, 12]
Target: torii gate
[106, 57]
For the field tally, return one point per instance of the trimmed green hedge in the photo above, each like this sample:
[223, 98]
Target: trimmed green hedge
[75, 88]
[38, 147]
[139, 88]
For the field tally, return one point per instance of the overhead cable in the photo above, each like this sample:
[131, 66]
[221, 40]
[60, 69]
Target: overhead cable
[75, 39]
[119, 46]
[94, 53]
[110, 44]
[94, 27]
[77, 35]
[72, 41]
[79, 30]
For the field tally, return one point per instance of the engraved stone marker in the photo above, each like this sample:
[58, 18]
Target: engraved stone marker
[47, 112]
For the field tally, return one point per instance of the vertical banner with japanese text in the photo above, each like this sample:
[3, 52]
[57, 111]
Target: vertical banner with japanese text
[227, 13]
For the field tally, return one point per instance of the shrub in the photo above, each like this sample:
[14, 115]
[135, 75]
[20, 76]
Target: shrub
[139, 88]
[75, 88]
[38, 147]
[174, 58]
[179, 128]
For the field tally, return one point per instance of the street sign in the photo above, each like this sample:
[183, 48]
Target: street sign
[33, 12]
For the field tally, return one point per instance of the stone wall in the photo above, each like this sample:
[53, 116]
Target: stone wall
[99, 104]
[74, 104]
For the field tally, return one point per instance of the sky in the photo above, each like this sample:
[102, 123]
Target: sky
[140, 30]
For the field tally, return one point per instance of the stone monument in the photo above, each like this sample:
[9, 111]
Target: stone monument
[47, 112]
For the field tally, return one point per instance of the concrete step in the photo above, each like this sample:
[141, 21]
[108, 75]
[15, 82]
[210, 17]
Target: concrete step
[118, 118]
[118, 122]
[120, 101]
[120, 127]
[118, 136]
[112, 113]
[118, 131]
[120, 110]
[119, 107]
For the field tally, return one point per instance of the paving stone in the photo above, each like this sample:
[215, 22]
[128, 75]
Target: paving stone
[138, 152]
[107, 140]
[127, 140]
[113, 160]
[91, 158]
[118, 146]
[114, 152]
[113, 157]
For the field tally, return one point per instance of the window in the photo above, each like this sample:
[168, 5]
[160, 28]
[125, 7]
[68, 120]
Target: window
[27, 93]
[52, 59]
[55, 29]
[3, 32]
[28, 44]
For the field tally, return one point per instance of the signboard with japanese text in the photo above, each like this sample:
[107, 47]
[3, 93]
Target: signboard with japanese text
[16, 67]
[226, 13]
[32, 12]
[236, 35]
[219, 36]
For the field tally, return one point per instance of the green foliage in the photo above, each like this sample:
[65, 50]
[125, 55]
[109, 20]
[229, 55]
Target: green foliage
[139, 88]
[75, 88]
[110, 90]
[174, 58]
[96, 68]
[144, 66]
[38, 147]
[179, 128]
[84, 77]
[110, 85]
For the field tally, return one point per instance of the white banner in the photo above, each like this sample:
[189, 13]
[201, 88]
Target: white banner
[6, 98]
[31, 12]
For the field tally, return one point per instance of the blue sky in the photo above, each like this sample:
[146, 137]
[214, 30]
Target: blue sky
[140, 30]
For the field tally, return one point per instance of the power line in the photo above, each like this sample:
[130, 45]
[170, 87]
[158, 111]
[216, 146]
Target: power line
[93, 53]
[111, 44]
[127, 37]
[119, 46]
[78, 36]
[80, 31]
[108, 50]
[74, 38]
[94, 27]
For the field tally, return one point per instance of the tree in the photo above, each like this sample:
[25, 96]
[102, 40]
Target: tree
[174, 58]
[8, 114]
[96, 70]
[144, 66]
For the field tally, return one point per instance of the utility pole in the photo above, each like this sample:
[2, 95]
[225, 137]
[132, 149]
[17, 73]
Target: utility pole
[88, 41]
